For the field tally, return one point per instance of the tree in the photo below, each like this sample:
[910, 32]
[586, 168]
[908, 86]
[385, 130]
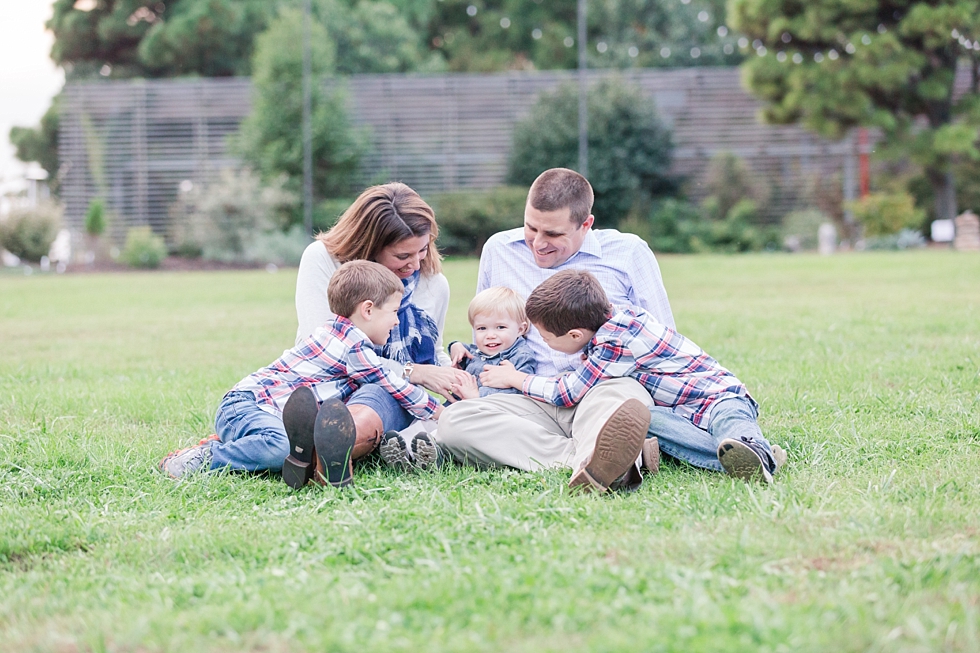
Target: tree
[138, 38]
[629, 148]
[40, 144]
[493, 35]
[271, 136]
[375, 37]
[837, 64]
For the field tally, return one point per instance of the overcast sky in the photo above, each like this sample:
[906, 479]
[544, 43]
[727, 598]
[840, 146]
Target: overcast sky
[28, 77]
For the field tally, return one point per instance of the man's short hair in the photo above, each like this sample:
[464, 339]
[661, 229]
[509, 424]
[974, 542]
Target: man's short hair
[560, 188]
[570, 299]
[496, 300]
[355, 282]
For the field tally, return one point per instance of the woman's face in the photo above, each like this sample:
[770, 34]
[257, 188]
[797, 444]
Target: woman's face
[404, 257]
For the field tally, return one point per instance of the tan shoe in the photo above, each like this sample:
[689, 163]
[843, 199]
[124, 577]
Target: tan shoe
[651, 455]
[616, 448]
[779, 455]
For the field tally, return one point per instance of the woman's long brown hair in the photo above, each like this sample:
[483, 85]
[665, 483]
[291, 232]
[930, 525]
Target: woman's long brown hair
[382, 216]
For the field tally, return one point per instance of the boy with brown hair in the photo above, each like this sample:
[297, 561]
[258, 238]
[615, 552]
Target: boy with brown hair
[690, 390]
[290, 415]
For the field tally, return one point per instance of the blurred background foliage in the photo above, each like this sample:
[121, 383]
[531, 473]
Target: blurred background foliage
[831, 65]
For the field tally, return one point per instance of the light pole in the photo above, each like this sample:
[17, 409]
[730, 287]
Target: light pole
[307, 126]
[583, 92]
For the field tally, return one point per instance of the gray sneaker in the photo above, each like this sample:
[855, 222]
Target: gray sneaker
[394, 451]
[187, 461]
[428, 454]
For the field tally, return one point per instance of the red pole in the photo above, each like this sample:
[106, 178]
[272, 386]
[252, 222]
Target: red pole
[864, 161]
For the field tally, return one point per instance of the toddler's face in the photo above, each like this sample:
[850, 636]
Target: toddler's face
[496, 332]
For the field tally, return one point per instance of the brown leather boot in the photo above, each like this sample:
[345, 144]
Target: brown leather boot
[616, 448]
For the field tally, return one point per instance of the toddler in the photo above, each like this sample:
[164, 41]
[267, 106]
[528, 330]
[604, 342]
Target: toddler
[499, 325]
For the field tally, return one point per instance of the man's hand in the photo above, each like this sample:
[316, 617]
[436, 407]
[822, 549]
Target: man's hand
[504, 375]
[459, 353]
[467, 389]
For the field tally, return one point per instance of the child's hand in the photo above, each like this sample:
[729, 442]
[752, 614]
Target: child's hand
[504, 375]
[438, 412]
[458, 353]
[468, 389]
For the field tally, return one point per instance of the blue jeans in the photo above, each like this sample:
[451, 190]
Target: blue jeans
[392, 415]
[253, 440]
[729, 418]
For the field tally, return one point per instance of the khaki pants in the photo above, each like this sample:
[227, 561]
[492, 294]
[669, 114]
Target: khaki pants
[520, 432]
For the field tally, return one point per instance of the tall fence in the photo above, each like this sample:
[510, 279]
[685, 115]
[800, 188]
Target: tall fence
[136, 142]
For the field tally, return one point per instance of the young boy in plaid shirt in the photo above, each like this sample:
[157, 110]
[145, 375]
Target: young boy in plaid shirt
[291, 415]
[690, 390]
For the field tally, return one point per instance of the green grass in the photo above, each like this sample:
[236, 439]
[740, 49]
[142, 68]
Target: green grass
[867, 368]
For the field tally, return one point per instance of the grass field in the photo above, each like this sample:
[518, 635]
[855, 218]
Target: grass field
[867, 368]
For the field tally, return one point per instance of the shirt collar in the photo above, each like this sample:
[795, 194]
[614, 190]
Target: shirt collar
[500, 354]
[590, 246]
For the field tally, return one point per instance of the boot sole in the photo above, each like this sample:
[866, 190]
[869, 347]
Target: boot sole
[741, 462]
[394, 452]
[616, 448]
[334, 436]
[299, 417]
[426, 453]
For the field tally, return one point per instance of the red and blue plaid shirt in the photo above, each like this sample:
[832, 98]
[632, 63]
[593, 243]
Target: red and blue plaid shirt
[677, 373]
[334, 362]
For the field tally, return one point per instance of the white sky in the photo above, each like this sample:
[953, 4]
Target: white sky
[28, 77]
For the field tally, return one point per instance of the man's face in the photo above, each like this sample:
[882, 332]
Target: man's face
[552, 236]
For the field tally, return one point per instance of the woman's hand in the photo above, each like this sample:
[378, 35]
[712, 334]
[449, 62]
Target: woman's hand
[458, 353]
[438, 379]
[468, 389]
[504, 375]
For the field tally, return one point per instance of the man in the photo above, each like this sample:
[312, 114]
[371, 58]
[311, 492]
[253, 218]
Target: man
[518, 431]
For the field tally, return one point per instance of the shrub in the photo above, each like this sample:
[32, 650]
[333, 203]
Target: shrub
[95, 218]
[224, 220]
[467, 218]
[28, 233]
[143, 248]
[327, 212]
[676, 226]
[668, 227]
[629, 147]
[904, 239]
[801, 227]
[882, 214]
[279, 247]
[728, 182]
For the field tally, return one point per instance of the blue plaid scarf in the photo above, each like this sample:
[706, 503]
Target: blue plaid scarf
[414, 339]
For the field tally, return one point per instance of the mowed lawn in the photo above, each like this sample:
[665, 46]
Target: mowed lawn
[867, 368]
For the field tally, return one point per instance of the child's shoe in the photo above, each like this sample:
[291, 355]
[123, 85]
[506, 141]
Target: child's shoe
[651, 455]
[179, 464]
[394, 451]
[334, 436]
[298, 417]
[746, 459]
[617, 447]
[427, 454]
[779, 455]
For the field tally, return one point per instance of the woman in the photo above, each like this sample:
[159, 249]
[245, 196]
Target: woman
[393, 226]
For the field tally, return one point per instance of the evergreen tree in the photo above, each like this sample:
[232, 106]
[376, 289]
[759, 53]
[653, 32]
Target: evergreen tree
[837, 64]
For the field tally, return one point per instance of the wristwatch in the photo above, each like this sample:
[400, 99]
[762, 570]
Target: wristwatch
[407, 371]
